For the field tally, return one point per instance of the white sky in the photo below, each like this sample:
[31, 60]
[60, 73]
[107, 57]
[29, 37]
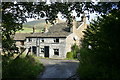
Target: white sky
[92, 16]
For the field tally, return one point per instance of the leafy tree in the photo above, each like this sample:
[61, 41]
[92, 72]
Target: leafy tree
[101, 59]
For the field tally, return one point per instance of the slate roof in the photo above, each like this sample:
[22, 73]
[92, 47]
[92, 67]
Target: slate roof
[21, 36]
[57, 30]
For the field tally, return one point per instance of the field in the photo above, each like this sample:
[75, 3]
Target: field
[38, 24]
[28, 30]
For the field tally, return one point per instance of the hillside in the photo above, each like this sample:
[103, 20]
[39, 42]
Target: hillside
[34, 23]
[39, 25]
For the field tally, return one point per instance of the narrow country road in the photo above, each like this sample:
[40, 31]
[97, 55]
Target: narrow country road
[58, 68]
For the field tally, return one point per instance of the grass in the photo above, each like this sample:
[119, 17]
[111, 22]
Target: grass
[28, 30]
[56, 59]
[70, 59]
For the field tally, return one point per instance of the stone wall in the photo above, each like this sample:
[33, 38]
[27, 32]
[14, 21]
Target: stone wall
[70, 41]
[48, 42]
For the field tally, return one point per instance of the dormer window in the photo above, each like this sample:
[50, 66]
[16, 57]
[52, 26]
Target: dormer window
[56, 40]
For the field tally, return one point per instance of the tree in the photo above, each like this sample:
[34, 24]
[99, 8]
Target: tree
[101, 60]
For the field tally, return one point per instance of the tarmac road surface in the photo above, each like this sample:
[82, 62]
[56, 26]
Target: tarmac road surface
[58, 68]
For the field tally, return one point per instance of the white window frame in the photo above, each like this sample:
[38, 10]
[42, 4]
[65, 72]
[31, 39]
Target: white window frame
[56, 40]
[56, 52]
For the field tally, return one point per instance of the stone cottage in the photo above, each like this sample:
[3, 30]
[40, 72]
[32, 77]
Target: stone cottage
[54, 42]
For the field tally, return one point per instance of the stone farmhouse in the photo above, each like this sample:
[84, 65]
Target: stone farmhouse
[54, 42]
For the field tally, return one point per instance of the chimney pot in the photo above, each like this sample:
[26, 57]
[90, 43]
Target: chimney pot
[33, 29]
[74, 24]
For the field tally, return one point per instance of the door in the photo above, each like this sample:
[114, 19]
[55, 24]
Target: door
[34, 49]
[46, 51]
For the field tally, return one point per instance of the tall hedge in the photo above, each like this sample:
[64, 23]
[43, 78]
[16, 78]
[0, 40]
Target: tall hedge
[100, 56]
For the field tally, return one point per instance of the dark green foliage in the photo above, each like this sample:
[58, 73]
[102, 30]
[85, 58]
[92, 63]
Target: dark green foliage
[102, 60]
[27, 68]
[69, 55]
[75, 50]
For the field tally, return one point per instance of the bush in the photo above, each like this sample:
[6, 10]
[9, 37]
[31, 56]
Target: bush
[75, 50]
[26, 67]
[69, 55]
[73, 54]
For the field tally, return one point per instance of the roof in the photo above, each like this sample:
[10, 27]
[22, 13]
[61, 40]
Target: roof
[57, 30]
[21, 36]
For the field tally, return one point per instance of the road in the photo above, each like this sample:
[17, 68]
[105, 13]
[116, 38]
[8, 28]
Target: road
[58, 68]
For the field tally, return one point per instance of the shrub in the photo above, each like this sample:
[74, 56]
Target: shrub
[91, 68]
[69, 55]
[26, 67]
[75, 50]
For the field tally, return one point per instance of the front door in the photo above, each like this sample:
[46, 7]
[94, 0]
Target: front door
[34, 49]
[46, 51]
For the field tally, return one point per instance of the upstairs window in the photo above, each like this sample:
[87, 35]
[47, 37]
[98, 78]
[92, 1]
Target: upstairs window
[34, 39]
[22, 42]
[56, 40]
[42, 40]
[56, 51]
[29, 39]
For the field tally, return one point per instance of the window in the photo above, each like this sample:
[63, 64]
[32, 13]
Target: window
[56, 40]
[42, 50]
[56, 51]
[74, 39]
[29, 39]
[42, 40]
[22, 42]
[34, 39]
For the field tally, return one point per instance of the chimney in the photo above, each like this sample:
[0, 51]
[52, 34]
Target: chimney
[57, 20]
[46, 28]
[84, 18]
[34, 29]
[74, 25]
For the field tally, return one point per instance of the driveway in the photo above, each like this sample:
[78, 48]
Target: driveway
[58, 68]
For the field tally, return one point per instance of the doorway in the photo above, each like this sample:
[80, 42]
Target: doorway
[34, 49]
[46, 51]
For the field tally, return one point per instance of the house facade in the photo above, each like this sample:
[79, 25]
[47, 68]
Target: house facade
[55, 42]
